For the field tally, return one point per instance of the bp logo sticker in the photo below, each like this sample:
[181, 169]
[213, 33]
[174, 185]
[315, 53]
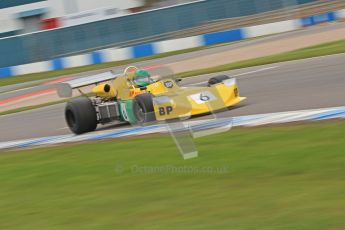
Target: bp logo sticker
[169, 84]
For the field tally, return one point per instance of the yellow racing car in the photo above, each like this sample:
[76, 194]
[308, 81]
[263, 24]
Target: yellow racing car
[140, 97]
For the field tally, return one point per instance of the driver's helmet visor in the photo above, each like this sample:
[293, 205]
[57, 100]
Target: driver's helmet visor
[142, 80]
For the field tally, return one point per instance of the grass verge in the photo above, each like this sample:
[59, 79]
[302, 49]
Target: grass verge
[309, 52]
[275, 178]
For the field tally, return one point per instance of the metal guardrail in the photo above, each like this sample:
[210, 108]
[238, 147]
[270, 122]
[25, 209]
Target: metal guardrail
[316, 8]
[288, 13]
[143, 28]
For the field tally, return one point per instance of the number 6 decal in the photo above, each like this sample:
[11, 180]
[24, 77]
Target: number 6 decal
[203, 97]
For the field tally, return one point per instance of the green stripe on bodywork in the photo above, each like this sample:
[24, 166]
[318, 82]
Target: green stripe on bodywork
[126, 111]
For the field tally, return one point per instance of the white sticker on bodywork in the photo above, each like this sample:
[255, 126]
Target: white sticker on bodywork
[159, 100]
[230, 82]
[203, 97]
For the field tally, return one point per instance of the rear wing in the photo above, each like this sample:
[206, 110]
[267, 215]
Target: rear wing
[65, 89]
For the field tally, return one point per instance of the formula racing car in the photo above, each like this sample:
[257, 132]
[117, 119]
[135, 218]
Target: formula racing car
[141, 97]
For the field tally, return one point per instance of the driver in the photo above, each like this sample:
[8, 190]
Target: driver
[142, 78]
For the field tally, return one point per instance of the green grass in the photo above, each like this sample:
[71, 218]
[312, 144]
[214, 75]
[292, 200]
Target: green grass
[279, 178]
[313, 51]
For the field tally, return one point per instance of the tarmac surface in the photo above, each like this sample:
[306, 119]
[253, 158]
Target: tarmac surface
[297, 85]
[25, 88]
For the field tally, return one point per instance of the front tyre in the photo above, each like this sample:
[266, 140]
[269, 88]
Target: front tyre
[80, 115]
[143, 108]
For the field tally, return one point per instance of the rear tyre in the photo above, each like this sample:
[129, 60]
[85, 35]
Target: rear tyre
[80, 115]
[143, 108]
[217, 79]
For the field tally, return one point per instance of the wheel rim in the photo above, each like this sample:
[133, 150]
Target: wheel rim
[70, 118]
[140, 114]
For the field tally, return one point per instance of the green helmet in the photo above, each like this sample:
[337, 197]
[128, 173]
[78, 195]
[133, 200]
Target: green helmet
[142, 78]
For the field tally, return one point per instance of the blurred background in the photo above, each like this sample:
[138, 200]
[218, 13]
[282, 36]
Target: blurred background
[39, 30]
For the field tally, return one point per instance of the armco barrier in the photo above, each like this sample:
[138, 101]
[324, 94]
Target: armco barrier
[77, 60]
[118, 54]
[45, 45]
[222, 37]
[143, 50]
[340, 14]
[33, 68]
[317, 19]
[6, 72]
[271, 28]
[58, 63]
[178, 44]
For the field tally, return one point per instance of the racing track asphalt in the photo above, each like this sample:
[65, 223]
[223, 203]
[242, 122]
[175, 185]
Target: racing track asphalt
[168, 60]
[296, 85]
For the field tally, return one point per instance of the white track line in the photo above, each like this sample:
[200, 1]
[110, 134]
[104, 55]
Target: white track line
[256, 71]
[241, 74]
